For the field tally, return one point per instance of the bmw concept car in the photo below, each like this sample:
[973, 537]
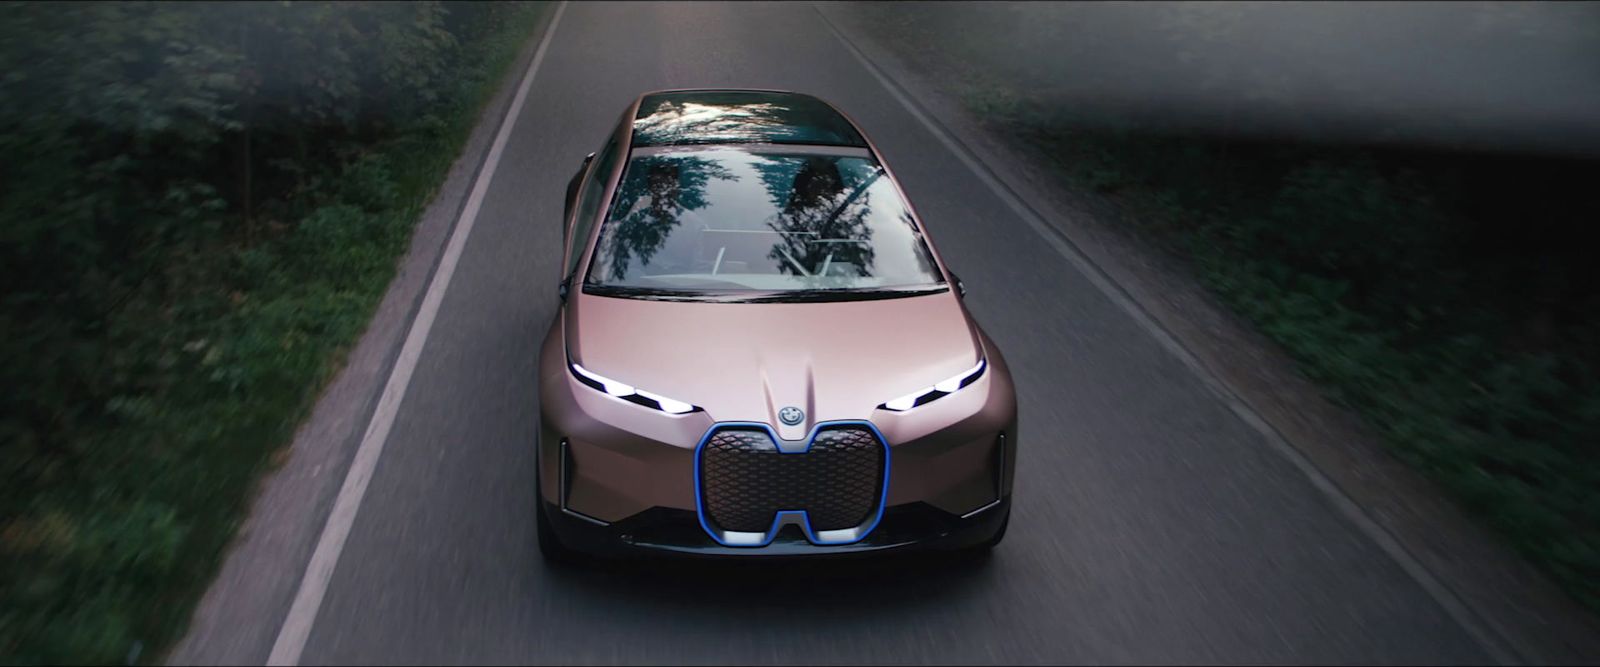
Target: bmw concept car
[759, 351]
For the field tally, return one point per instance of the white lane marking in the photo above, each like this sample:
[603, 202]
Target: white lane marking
[319, 571]
[1492, 642]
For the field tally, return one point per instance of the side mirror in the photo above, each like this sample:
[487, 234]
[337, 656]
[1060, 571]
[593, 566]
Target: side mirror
[961, 287]
[561, 290]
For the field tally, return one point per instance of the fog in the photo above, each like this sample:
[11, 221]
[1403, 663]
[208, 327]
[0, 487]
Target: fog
[1523, 77]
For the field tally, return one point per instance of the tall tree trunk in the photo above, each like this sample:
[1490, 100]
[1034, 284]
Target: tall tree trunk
[247, 166]
[247, 185]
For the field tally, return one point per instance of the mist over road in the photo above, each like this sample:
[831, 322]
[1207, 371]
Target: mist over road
[1516, 76]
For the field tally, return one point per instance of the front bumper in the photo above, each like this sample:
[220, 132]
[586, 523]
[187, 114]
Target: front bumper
[658, 532]
[617, 477]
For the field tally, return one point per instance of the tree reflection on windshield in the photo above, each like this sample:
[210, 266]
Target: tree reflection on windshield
[822, 225]
[723, 219]
[658, 189]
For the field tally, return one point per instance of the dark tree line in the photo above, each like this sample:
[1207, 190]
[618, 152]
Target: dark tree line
[199, 202]
[138, 136]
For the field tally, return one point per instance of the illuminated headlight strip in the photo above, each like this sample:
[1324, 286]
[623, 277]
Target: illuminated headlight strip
[937, 391]
[630, 393]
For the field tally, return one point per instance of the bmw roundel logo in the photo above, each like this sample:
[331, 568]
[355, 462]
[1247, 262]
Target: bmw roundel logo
[791, 415]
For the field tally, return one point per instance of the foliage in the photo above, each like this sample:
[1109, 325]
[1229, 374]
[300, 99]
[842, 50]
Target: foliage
[1450, 297]
[202, 203]
[1445, 296]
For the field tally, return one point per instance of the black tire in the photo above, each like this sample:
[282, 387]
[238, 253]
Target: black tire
[993, 542]
[550, 545]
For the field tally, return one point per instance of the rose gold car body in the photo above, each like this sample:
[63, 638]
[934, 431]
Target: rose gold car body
[603, 460]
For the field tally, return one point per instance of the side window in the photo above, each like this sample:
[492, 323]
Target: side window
[594, 188]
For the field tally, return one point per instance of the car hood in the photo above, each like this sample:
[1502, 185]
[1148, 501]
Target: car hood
[747, 361]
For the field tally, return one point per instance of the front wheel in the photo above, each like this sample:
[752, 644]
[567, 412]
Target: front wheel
[993, 542]
[550, 545]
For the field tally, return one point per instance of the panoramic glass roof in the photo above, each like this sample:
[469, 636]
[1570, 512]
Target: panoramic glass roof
[727, 116]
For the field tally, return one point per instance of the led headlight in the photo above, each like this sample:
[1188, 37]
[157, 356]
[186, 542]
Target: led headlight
[630, 393]
[937, 391]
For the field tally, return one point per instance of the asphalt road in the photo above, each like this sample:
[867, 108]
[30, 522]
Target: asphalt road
[1151, 524]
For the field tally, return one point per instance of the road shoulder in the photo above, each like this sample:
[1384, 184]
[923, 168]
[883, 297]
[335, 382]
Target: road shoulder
[238, 618]
[1538, 622]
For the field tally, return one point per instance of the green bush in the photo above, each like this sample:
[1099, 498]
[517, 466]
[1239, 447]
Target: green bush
[1448, 297]
[1451, 297]
[199, 208]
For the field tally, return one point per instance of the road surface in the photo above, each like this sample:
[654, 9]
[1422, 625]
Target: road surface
[1151, 523]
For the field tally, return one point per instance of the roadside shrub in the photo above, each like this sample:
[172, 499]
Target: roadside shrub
[199, 206]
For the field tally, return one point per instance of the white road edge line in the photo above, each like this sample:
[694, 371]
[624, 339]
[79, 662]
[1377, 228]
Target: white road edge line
[1492, 642]
[302, 614]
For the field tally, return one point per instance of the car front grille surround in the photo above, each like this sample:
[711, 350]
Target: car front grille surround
[747, 487]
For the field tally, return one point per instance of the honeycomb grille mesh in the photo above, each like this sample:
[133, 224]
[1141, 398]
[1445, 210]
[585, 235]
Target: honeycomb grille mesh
[745, 480]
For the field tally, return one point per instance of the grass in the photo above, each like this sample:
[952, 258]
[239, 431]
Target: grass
[114, 545]
[1449, 297]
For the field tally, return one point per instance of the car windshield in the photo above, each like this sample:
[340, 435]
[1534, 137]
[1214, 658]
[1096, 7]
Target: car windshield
[726, 221]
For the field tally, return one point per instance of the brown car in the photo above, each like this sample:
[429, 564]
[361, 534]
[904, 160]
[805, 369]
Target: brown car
[759, 352]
